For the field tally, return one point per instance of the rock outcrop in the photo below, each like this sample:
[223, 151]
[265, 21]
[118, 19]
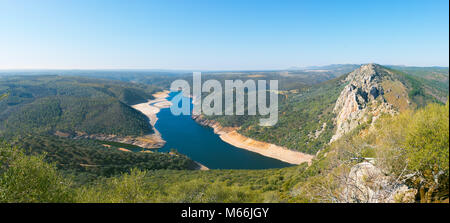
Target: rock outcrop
[367, 184]
[362, 99]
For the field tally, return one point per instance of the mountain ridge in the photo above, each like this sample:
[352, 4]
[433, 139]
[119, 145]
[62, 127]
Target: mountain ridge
[363, 95]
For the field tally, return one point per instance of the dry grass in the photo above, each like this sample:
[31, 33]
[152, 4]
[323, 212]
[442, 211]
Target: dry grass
[396, 94]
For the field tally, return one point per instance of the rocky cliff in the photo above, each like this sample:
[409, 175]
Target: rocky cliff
[362, 100]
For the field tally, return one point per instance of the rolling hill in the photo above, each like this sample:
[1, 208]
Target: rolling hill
[46, 104]
[378, 135]
[44, 115]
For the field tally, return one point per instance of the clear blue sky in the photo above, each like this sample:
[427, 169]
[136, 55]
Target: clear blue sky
[216, 34]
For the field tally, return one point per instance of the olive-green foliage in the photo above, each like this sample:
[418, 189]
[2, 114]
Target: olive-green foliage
[427, 148]
[415, 140]
[300, 116]
[416, 144]
[412, 148]
[70, 114]
[406, 143]
[435, 79]
[303, 114]
[89, 159]
[194, 186]
[30, 179]
[419, 89]
[39, 106]
[427, 141]
[136, 187]
[128, 188]
[45, 104]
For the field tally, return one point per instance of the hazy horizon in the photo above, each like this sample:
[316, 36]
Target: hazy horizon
[192, 70]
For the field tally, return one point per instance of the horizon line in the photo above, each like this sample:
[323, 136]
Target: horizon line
[205, 70]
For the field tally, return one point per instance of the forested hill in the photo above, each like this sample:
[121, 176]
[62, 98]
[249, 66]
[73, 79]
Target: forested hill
[402, 172]
[35, 109]
[435, 79]
[46, 104]
[410, 149]
[307, 119]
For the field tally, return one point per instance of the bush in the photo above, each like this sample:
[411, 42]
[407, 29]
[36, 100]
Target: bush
[427, 149]
[29, 179]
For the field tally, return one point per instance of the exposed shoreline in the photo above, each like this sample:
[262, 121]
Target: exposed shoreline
[232, 137]
[201, 166]
[150, 141]
[226, 134]
[151, 108]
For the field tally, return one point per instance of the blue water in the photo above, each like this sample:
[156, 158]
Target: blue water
[202, 145]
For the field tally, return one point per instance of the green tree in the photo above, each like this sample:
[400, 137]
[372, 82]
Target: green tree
[427, 148]
[29, 179]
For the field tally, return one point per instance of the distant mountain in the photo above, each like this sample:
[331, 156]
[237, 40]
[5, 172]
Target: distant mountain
[341, 68]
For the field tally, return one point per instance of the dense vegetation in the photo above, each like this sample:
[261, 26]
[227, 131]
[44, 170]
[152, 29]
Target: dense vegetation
[34, 108]
[46, 104]
[434, 79]
[301, 114]
[89, 159]
[309, 110]
[396, 142]
[418, 89]
[412, 147]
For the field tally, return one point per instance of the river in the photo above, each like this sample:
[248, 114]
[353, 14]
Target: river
[204, 146]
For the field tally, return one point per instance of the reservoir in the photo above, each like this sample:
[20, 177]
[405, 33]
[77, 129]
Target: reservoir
[201, 144]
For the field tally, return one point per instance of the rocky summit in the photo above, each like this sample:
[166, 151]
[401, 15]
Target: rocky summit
[362, 99]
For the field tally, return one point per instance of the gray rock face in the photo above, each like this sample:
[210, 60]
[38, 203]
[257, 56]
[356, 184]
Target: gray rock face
[361, 99]
[367, 184]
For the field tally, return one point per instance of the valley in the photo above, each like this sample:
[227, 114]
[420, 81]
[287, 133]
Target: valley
[102, 136]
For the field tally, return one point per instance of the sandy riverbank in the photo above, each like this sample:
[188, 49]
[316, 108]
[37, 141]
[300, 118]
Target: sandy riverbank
[231, 136]
[201, 166]
[228, 135]
[151, 109]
